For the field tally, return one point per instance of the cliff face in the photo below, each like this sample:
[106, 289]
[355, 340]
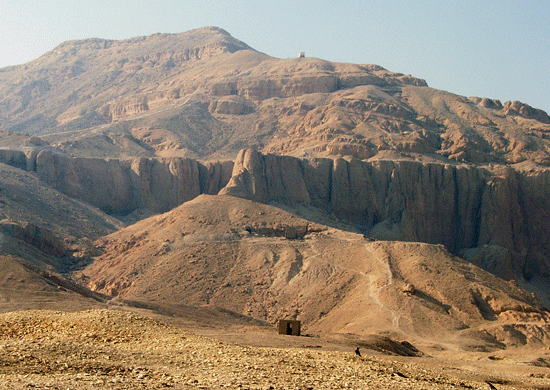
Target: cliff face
[303, 76]
[459, 206]
[122, 186]
[495, 218]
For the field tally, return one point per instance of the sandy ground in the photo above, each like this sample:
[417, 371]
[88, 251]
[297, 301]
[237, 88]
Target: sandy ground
[115, 349]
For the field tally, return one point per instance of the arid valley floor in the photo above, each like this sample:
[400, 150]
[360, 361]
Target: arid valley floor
[114, 349]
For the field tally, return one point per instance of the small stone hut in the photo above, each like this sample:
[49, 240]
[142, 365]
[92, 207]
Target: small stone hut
[289, 327]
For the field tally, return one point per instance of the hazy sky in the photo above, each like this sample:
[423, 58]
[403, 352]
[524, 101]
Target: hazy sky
[497, 49]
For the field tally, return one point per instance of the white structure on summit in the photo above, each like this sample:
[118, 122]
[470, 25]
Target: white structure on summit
[302, 54]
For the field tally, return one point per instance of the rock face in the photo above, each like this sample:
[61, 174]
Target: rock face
[231, 105]
[119, 110]
[518, 108]
[40, 238]
[459, 206]
[515, 108]
[122, 186]
[303, 76]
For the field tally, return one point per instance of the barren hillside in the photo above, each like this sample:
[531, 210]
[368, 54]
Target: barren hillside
[190, 177]
[106, 349]
[265, 263]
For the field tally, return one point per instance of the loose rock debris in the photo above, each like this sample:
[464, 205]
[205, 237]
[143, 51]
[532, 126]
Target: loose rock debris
[115, 349]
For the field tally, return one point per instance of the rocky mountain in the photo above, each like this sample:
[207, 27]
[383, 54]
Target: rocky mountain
[356, 199]
[205, 95]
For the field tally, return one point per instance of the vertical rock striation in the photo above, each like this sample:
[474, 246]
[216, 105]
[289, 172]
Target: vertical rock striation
[496, 218]
[458, 206]
[122, 186]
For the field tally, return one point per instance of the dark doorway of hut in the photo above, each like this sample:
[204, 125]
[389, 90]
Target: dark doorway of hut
[289, 327]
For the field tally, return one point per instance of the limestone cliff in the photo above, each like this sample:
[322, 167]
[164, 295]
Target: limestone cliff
[122, 186]
[459, 206]
[494, 217]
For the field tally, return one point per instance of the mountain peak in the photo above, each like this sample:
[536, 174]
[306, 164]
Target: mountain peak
[158, 42]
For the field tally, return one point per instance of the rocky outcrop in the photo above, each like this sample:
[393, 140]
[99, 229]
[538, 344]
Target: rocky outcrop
[39, 237]
[523, 110]
[487, 103]
[231, 105]
[122, 109]
[14, 158]
[456, 205]
[282, 86]
[515, 108]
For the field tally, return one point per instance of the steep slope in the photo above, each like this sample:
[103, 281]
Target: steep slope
[25, 198]
[263, 262]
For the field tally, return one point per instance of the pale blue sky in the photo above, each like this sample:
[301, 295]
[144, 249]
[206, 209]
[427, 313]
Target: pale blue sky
[496, 49]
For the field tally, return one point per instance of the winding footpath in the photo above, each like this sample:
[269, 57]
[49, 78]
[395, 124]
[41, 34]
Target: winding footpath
[374, 293]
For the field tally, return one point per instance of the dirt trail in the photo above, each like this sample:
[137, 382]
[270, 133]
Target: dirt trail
[374, 292]
[375, 282]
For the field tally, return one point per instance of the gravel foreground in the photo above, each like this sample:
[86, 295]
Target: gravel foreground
[120, 350]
